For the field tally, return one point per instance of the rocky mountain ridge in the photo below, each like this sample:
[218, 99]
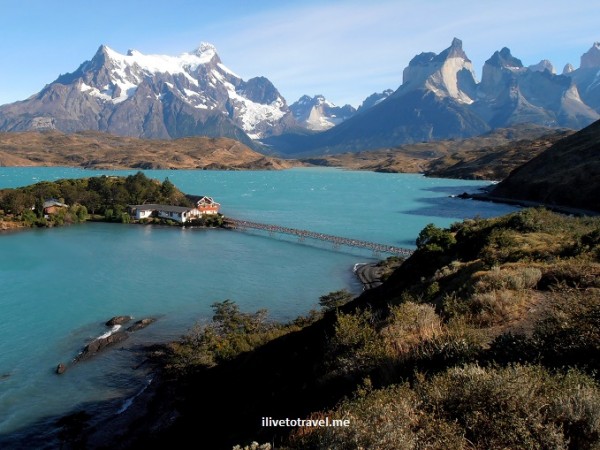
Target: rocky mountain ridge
[440, 98]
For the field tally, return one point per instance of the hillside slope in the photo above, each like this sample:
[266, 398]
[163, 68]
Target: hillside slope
[567, 174]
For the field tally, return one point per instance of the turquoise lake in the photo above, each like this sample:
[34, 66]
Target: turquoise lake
[59, 286]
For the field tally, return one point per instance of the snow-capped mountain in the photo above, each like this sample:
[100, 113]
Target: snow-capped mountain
[319, 114]
[155, 96]
[158, 96]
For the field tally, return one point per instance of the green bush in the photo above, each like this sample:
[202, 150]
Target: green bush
[434, 239]
[356, 346]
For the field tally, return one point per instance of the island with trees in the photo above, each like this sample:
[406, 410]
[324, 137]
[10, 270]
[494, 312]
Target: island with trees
[102, 198]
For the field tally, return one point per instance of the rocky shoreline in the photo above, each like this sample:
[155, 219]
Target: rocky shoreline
[369, 275]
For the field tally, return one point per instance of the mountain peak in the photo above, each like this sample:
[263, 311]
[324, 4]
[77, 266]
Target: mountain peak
[568, 69]
[505, 59]
[448, 74]
[591, 58]
[204, 49]
[543, 65]
[454, 51]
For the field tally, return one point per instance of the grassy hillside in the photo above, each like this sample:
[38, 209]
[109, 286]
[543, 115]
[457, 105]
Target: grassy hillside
[487, 337]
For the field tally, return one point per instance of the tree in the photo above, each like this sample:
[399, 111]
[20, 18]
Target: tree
[167, 189]
[229, 319]
[335, 299]
[434, 239]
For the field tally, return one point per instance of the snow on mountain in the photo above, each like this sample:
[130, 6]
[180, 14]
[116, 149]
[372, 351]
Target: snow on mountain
[319, 114]
[162, 96]
[156, 96]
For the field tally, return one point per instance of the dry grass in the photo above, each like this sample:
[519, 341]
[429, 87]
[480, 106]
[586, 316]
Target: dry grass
[101, 150]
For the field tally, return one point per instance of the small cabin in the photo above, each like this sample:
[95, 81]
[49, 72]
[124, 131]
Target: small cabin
[52, 206]
[206, 205]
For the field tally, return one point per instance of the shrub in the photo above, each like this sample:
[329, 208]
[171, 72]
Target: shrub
[458, 343]
[386, 419]
[409, 324]
[356, 346]
[468, 407]
[508, 277]
[435, 239]
[230, 333]
[516, 407]
[569, 334]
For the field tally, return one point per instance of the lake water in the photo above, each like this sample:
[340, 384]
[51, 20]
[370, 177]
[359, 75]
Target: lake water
[58, 286]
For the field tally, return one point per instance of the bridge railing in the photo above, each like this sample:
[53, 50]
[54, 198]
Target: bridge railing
[336, 240]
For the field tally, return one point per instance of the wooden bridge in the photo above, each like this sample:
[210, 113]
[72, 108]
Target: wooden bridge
[337, 241]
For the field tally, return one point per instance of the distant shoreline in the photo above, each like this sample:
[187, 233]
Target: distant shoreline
[531, 204]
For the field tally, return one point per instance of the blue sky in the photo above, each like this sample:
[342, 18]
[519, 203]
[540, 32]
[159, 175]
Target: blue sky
[343, 49]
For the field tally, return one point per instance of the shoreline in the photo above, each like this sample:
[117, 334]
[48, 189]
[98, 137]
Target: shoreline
[369, 274]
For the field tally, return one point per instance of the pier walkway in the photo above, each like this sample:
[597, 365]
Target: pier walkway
[337, 241]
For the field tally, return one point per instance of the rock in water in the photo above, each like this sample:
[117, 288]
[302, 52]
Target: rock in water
[141, 324]
[118, 320]
[61, 368]
[100, 344]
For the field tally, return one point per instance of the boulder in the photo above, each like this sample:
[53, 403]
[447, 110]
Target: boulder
[61, 368]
